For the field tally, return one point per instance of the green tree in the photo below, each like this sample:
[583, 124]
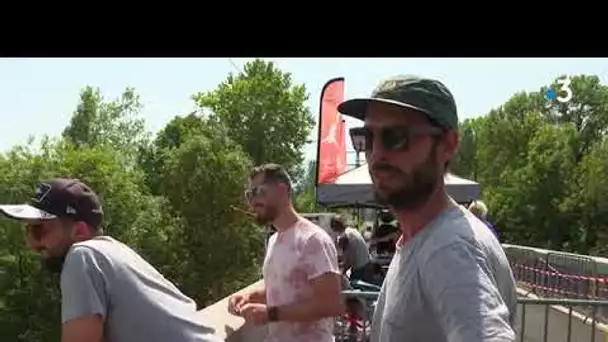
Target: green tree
[588, 200]
[305, 194]
[117, 123]
[265, 113]
[221, 248]
[502, 137]
[531, 196]
[152, 157]
[587, 110]
[537, 161]
[464, 162]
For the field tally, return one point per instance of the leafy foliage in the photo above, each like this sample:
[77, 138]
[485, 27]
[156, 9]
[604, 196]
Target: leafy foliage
[542, 166]
[264, 112]
[305, 200]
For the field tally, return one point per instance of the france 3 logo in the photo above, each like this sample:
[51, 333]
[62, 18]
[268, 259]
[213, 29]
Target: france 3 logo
[564, 94]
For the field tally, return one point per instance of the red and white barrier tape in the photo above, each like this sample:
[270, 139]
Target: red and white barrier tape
[603, 280]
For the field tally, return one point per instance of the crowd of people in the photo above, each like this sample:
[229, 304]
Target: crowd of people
[448, 278]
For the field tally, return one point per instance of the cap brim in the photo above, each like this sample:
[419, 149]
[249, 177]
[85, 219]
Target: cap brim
[357, 108]
[25, 212]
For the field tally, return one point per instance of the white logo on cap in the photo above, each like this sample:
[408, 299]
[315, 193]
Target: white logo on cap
[45, 215]
[42, 190]
[70, 210]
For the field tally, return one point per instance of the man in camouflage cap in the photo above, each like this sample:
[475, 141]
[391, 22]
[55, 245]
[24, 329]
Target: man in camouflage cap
[449, 279]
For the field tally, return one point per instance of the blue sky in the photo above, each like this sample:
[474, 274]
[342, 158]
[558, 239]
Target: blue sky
[38, 96]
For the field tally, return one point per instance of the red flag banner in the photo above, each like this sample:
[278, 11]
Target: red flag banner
[331, 143]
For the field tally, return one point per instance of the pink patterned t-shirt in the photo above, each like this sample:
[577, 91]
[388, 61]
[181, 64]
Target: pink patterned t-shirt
[295, 256]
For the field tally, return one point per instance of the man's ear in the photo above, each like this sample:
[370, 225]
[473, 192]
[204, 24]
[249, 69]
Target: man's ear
[81, 231]
[451, 142]
[284, 187]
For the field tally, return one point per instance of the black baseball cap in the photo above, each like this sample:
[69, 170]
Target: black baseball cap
[59, 198]
[425, 95]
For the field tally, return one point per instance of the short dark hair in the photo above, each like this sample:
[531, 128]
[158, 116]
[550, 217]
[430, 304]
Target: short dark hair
[337, 220]
[272, 173]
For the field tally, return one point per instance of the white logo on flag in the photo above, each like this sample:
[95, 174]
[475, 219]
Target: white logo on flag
[330, 138]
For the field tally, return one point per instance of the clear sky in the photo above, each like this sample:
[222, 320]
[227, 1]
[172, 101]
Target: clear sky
[38, 96]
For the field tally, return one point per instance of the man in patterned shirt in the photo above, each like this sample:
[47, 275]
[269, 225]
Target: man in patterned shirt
[302, 281]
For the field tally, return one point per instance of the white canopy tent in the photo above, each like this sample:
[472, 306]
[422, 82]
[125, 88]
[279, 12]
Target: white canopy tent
[355, 187]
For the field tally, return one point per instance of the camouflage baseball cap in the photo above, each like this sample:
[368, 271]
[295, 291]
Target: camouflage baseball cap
[428, 96]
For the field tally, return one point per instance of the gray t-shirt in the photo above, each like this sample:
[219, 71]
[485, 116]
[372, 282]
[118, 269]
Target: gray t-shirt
[357, 251]
[450, 282]
[103, 276]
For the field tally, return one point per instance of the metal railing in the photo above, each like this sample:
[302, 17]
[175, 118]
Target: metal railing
[570, 298]
[554, 274]
[356, 328]
[560, 319]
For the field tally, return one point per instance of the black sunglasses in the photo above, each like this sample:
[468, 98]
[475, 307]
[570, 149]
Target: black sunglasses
[391, 138]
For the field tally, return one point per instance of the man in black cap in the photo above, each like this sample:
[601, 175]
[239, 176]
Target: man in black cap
[449, 279]
[109, 293]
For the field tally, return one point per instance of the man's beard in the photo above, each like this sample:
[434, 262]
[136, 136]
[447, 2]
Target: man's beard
[418, 187]
[268, 217]
[54, 263]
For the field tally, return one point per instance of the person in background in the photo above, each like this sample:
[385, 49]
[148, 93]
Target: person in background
[302, 283]
[479, 209]
[449, 280]
[355, 254]
[108, 292]
[367, 233]
[386, 234]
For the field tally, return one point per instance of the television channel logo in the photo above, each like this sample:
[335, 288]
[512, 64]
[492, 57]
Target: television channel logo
[564, 94]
